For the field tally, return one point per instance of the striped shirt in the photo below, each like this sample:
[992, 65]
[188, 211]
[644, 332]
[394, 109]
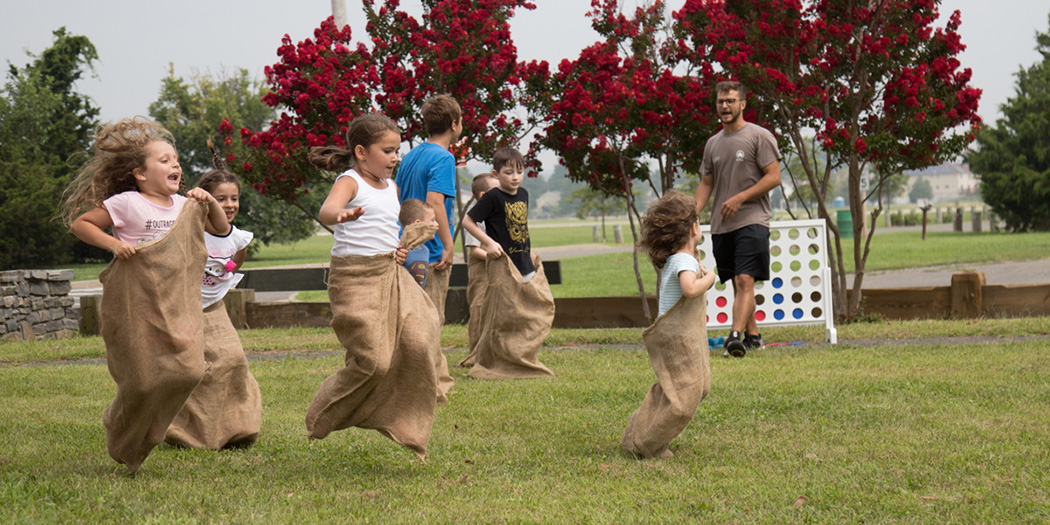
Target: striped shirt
[670, 284]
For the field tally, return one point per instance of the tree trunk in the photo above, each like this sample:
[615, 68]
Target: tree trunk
[856, 207]
[339, 13]
[634, 235]
[461, 214]
[311, 215]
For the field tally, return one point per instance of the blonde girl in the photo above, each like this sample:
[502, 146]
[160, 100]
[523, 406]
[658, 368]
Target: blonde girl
[151, 310]
[131, 184]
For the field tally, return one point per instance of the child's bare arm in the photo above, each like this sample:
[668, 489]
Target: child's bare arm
[334, 211]
[694, 284]
[437, 201]
[477, 253]
[239, 257]
[88, 228]
[490, 247]
[216, 223]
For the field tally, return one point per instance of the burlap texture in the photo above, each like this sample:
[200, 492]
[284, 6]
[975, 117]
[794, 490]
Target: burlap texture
[152, 325]
[390, 333]
[515, 319]
[417, 233]
[476, 284]
[678, 352]
[226, 407]
[436, 289]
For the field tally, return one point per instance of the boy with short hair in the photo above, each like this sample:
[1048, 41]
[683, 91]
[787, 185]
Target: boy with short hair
[416, 211]
[505, 213]
[516, 308]
[428, 172]
[481, 185]
[477, 281]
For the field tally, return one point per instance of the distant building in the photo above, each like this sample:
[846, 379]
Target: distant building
[949, 181]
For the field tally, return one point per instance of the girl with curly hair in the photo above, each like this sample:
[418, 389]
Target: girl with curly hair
[671, 234]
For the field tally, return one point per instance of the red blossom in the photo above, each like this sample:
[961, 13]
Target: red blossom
[622, 102]
[913, 88]
[461, 47]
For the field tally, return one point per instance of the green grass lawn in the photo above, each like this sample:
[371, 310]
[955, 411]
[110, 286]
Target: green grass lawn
[907, 431]
[890, 250]
[609, 275]
[896, 249]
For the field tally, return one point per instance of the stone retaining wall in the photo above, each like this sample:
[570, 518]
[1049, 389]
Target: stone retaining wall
[36, 305]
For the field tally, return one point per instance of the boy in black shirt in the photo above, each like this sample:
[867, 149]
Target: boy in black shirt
[505, 213]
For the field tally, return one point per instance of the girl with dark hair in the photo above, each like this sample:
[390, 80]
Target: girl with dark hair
[671, 233]
[677, 340]
[382, 317]
[225, 410]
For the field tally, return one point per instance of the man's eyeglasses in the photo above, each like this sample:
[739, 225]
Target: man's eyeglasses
[726, 101]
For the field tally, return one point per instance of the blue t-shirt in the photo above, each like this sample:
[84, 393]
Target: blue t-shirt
[429, 167]
[670, 283]
[417, 262]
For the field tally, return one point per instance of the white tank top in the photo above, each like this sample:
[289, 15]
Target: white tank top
[374, 232]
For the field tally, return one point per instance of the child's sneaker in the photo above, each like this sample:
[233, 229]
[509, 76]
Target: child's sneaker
[734, 346]
[753, 342]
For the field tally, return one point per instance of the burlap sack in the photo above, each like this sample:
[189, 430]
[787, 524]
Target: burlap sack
[515, 319]
[390, 332]
[678, 352]
[437, 289]
[226, 407]
[417, 233]
[476, 284]
[152, 326]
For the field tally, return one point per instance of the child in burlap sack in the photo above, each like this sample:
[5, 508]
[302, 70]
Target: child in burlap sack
[415, 211]
[476, 283]
[151, 305]
[382, 317]
[517, 305]
[677, 340]
[225, 410]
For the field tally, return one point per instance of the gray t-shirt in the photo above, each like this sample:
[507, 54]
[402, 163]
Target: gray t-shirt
[735, 160]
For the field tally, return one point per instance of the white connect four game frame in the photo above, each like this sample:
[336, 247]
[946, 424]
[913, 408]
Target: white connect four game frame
[798, 291]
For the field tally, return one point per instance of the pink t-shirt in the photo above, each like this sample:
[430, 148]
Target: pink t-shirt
[137, 220]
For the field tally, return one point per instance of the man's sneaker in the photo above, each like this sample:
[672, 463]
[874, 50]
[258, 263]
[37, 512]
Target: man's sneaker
[734, 346]
[753, 342]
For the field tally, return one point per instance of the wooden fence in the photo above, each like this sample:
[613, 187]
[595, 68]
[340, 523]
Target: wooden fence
[966, 297]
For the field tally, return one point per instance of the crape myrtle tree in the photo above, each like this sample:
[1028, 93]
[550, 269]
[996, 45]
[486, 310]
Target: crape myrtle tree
[194, 110]
[459, 47]
[878, 82]
[1013, 158]
[627, 101]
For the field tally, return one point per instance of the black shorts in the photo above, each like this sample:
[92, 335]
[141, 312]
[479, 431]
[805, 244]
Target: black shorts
[742, 252]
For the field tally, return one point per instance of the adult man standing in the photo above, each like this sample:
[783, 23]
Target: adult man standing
[741, 165]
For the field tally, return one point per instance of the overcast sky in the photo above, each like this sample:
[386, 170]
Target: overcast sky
[136, 40]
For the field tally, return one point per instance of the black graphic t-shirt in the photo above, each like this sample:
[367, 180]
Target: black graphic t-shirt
[506, 219]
